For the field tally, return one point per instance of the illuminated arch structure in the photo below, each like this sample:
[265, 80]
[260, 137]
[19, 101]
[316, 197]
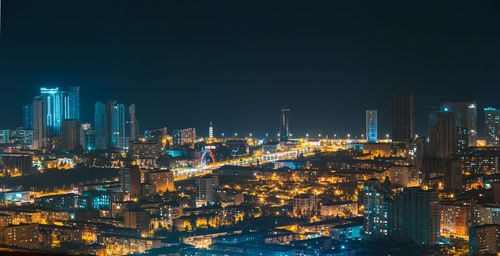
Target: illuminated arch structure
[207, 152]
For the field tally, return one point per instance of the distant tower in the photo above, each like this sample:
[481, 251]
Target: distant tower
[284, 124]
[492, 126]
[28, 116]
[211, 131]
[371, 126]
[442, 132]
[466, 118]
[402, 117]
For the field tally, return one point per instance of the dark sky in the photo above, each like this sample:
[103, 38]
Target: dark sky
[184, 63]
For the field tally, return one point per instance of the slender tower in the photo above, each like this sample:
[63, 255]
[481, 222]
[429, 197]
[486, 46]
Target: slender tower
[284, 124]
[211, 131]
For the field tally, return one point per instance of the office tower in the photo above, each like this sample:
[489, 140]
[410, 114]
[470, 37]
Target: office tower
[211, 131]
[402, 117]
[132, 124]
[55, 110]
[284, 124]
[492, 126]
[72, 103]
[442, 134]
[119, 136]
[466, 121]
[371, 126]
[103, 124]
[88, 137]
[39, 122]
[415, 216]
[206, 190]
[70, 134]
[376, 210]
[28, 116]
[483, 240]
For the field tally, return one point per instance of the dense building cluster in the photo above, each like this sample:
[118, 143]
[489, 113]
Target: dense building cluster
[108, 189]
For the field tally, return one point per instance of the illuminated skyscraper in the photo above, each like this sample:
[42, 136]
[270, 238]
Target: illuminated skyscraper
[211, 131]
[115, 125]
[123, 126]
[402, 117]
[39, 122]
[284, 124]
[492, 126]
[371, 126]
[28, 116]
[442, 134]
[466, 121]
[376, 213]
[72, 103]
[54, 99]
[103, 123]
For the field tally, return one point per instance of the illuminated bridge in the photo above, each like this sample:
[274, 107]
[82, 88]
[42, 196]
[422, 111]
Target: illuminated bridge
[204, 168]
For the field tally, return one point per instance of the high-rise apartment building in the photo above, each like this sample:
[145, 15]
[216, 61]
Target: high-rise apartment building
[103, 115]
[71, 134]
[466, 121]
[40, 122]
[402, 117]
[284, 132]
[492, 126]
[28, 116]
[376, 210]
[483, 240]
[206, 190]
[371, 126]
[415, 216]
[71, 104]
[442, 134]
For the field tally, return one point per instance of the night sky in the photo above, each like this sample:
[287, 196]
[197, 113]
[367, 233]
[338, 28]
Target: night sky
[184, 63]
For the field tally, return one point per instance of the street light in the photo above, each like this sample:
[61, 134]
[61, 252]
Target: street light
[307, 134]
[250, 134]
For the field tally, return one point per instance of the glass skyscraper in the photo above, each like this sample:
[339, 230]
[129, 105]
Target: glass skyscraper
[402, 117]
[72, 103]
[54, 99]
[466, 121]
[284, 125]
[492, 126]
[371, 126]
[60, 105]
[115, 125]
[28, 116]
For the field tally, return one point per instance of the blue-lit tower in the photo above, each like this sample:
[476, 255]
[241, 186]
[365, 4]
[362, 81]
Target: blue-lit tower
[492, 126]
[371, 126]
[103, 123]
[54, 99]
[119, 136]
[72, 103]
[284, 124]
[28, 116]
